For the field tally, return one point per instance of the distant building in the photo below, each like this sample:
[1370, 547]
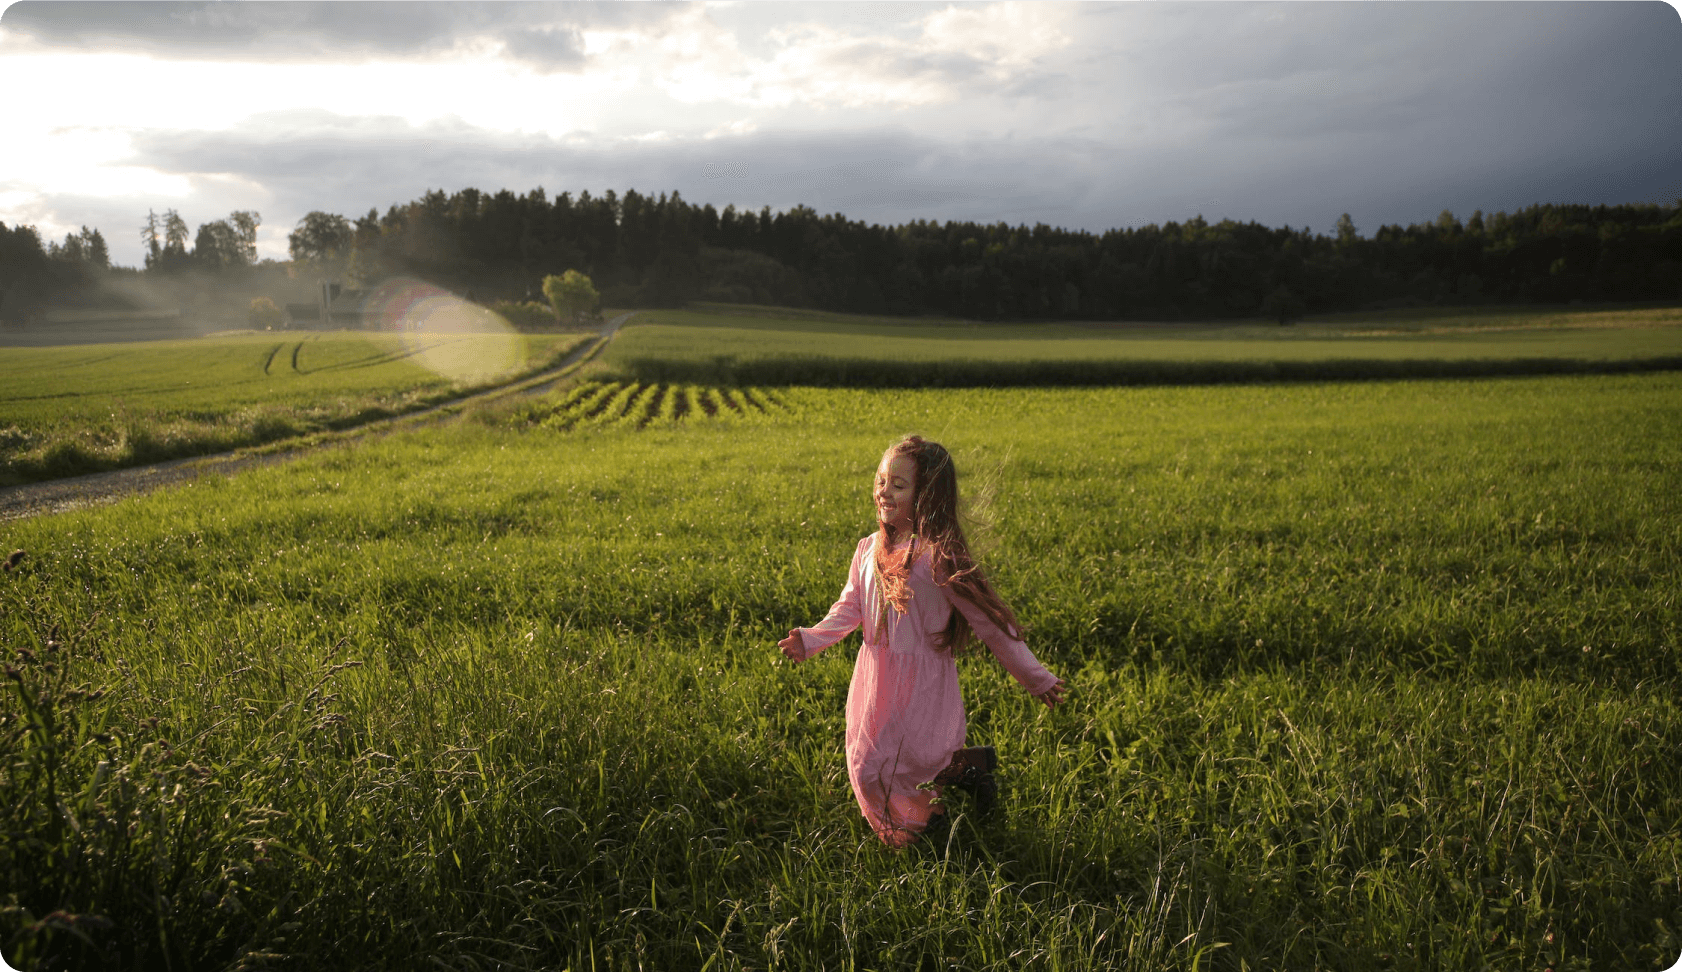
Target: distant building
[346, 310]
[335, 307]
[303, 317]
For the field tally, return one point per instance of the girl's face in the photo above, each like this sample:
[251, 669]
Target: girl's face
[895, 480]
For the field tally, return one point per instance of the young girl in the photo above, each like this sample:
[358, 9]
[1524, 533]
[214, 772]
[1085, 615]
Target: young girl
[920, 598]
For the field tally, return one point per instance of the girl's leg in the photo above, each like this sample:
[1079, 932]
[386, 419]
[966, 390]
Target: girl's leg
[971, 770]
[971, 758]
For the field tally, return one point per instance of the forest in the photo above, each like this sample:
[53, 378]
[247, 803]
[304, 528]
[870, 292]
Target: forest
[662, 251]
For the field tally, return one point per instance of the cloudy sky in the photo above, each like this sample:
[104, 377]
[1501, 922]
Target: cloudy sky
[1088, 115]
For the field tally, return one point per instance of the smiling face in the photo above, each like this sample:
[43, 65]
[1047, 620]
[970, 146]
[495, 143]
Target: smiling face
[896, 477]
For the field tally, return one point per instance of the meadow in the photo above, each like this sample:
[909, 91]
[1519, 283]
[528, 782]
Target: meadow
[739, 345]
[78, 409]
[1370, 675]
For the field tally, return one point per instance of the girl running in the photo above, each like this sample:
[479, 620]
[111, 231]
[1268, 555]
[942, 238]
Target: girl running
[921, 599]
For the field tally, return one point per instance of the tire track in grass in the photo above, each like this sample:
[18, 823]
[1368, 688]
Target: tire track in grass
[75, 492]
[295, 349]
[418, 348]
[270, 359]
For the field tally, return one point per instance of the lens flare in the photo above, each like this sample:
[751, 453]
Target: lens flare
[443, 333]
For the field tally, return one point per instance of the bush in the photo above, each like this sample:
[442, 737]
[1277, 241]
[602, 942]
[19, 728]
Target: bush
[264, 315]
[527, 315]
[572, 294]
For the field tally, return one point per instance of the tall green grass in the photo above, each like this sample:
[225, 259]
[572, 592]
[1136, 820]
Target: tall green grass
[69, 410]
[710, 347]
[1376, 676]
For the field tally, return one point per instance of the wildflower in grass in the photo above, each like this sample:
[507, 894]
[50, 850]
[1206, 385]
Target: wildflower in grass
[921, 599]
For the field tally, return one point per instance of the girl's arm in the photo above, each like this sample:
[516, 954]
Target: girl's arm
[1012, 653]
[844, 615]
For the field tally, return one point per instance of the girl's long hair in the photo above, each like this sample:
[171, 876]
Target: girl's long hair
[935, 531]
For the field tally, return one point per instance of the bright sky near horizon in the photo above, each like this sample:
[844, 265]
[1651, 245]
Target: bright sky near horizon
[1085, 115]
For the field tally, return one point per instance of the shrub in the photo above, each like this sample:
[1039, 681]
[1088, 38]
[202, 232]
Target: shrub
[265, 315]
[527, 315]
[572, 294]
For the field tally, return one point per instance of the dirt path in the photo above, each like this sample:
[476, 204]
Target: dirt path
[78, 492]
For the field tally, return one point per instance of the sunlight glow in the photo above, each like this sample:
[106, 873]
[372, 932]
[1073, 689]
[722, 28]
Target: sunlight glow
[84, 161]
[443, 333]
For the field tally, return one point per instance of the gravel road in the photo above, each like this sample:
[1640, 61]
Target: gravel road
[77, 492]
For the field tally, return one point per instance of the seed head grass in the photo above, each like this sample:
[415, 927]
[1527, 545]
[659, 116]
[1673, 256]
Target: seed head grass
[1375, 675]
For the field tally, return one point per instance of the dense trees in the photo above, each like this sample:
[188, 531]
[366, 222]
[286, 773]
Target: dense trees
[164, 240]
[218, 270]
[32, 273]
[85, 248]
[230, 242]
[321, 239]
[219, 245]
[661, 251]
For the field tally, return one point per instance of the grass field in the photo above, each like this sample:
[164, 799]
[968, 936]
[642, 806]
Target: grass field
[732, 345]
[1375, 675]
[69, 410]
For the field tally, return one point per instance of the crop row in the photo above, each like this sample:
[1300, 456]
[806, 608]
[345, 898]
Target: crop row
[1362, 677]
[639, 405]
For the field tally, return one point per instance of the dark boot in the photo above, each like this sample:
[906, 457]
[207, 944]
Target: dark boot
[983, 758]
[936, 833]
[971, 770]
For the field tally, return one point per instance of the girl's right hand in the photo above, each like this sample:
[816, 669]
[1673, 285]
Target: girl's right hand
[1053, 696]
[794, 646]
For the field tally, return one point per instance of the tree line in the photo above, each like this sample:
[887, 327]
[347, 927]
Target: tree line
[662, 251]
[32, 272]
[643, 250]
[77, 273]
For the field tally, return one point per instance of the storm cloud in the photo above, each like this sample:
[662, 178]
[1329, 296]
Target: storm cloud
[1087, 116]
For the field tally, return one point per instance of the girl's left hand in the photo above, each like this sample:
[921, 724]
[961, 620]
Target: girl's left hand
[794, 646]
[1054, 695]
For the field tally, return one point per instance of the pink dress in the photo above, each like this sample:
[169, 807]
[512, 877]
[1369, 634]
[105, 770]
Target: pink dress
[905, 714]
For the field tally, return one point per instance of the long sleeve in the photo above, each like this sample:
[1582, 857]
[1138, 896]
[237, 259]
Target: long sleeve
[844, 615]
[1012, 653]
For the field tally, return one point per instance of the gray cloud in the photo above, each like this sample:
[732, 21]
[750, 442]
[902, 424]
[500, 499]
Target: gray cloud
[544, 35]
[316, 160]
[552, 48]
[886, 176]
[1286, 114]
